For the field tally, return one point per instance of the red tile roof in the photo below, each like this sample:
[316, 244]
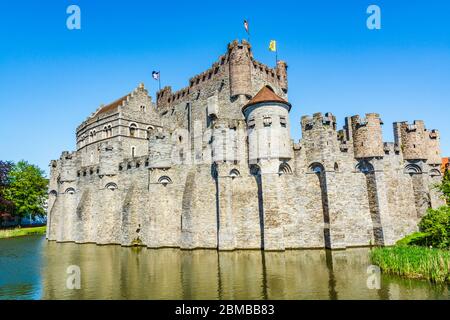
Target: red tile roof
[266, 94]
[445, 163]
[112, 107]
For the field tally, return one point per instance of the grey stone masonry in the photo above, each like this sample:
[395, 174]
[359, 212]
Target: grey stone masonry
[213, 165]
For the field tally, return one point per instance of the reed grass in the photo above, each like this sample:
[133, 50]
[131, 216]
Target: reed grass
[414, 262]
[19, 232]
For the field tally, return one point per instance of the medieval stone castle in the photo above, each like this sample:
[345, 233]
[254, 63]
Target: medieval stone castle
[213, 166]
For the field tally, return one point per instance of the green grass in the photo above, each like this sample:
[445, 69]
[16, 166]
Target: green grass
[19, 232]
[414, 262]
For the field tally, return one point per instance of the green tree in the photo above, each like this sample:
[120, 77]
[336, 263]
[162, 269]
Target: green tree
[27, 190]
[444, 187]
[436, 225]
[5, 168]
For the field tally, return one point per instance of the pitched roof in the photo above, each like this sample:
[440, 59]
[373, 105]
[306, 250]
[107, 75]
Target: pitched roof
[112, 106]
[266, 94]
[445, 162]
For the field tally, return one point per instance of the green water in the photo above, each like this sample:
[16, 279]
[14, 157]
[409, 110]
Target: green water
[32, 268]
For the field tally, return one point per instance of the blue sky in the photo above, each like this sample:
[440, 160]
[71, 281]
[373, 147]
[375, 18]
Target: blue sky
[52, 78]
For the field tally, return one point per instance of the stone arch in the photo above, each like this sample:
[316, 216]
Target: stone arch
[255, 171]
[149, 131]
[70, 191]
[111, 186]
[133, 128]
[336, 167]
[413, 169]
[235, 173]
[316, 167]
[368, 170]
[365, 167]
[164, 180]
[435, 173]
[53, 193]
[319, 170]
[284, 168]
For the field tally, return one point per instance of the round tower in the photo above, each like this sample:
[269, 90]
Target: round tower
[413, 140]
[267, 117]
[367, 136]
[240, 68]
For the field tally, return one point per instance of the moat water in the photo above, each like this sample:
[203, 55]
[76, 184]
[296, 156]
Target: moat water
[32, 268]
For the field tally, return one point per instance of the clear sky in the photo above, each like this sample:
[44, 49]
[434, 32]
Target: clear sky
[52, 78]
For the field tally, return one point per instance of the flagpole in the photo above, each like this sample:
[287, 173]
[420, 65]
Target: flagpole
[248, 31]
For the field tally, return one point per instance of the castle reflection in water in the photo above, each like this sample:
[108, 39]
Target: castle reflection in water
[114, 272]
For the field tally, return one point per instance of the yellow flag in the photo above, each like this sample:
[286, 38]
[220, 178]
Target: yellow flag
[273, 45]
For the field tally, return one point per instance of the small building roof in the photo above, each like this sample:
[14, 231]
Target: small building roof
[445, 164]
[266, 94]
[112, 106]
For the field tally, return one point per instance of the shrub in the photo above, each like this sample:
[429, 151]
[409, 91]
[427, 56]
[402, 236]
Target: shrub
[436, 225]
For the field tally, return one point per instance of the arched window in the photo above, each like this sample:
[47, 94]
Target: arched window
[365, 166]
[435, 173]
[133, 130]
[284, 168]
[255, 170]
[317, 168]
[149, 131]
[111, 186]
[142, 108]
[336, 167]
[133, 151]
[412, 169]
[164, 180]
[70, 191]
[234, 173]
[53, 193]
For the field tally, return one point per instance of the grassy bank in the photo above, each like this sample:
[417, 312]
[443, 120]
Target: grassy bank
[19, 232]
[414, 262]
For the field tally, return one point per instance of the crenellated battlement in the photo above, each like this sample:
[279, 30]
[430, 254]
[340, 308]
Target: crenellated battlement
[235, 68]
[318, 121]
[367, 136]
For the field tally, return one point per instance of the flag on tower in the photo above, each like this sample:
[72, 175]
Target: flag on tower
[273, 45]
[246, 26]
[155, 75]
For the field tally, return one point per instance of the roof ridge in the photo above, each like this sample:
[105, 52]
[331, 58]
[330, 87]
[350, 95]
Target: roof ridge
[266, 94]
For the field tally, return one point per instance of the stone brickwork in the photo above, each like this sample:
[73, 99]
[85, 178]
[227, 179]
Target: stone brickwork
[213, 166]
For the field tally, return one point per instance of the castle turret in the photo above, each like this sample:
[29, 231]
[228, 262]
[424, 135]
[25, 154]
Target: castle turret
[412, 139]
[434, 148]
[282, 75]
[109, 156]
[367, 136]
[240, 68]
[68, 171]
[160, 149]
[267, 117]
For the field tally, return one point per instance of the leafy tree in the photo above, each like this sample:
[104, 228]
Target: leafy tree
[27, 189]
[434, 230]
[5, 168]
[444, 186]
[436, 224]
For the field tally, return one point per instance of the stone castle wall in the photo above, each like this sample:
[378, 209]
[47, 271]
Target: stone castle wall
[185, 173]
